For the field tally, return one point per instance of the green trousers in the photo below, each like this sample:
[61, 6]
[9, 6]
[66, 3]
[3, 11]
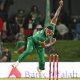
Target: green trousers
[40, 51]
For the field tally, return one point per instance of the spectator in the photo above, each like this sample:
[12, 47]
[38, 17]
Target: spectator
[6, 55]
[34, 14]
[78, 31]
[29, 27]
[20, 38]
[74, 22]
[76, 28]
[1, 19]
[38, 28]
[1, 46]
[4, 36]
[62, 30]
[16, 22]
[1, 26]
[19, 18]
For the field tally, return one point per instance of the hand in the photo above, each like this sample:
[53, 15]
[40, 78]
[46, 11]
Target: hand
[43, 44]
[61, 3]
[54, 40]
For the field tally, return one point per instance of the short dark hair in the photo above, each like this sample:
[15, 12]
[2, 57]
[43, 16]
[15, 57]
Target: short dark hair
[50, 27]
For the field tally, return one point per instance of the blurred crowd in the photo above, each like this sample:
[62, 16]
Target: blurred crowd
[10, 26]
[22, 25]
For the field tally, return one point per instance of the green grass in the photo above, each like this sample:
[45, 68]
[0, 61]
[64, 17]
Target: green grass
[68, 50]
[35, 79]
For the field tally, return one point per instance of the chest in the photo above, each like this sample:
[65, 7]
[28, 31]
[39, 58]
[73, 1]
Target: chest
[40, 36]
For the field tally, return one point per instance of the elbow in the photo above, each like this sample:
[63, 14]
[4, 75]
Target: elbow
[54, 21]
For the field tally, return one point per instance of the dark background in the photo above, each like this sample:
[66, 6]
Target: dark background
[72, 7]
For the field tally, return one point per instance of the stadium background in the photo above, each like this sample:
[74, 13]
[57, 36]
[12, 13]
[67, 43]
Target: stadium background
[70, 6]
[68, 50]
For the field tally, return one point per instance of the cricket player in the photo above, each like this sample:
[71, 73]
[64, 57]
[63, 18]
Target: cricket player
[41, 40]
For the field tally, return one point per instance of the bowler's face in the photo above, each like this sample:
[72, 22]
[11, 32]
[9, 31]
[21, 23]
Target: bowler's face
[48, 32]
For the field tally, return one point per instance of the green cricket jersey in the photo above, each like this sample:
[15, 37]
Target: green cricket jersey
[40, 36]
